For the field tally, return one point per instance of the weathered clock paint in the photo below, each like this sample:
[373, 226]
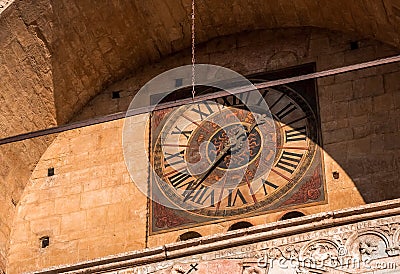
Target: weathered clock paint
[281, 169]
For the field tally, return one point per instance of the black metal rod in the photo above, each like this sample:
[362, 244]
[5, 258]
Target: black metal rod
[133, 112]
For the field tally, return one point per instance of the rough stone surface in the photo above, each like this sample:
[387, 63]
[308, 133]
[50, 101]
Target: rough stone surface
[90, 204]
[58, 55]
[26, 104]
[89, 52]
[90, 208]
[358, 240]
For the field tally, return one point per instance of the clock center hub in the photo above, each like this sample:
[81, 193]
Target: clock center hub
[244, 148]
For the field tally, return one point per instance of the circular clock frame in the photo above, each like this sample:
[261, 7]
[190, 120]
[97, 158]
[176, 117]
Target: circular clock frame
[301, 133]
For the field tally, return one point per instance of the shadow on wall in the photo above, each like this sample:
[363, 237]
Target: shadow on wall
[360, 120]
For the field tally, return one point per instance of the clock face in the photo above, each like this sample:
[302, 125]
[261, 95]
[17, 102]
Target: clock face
[218, 158]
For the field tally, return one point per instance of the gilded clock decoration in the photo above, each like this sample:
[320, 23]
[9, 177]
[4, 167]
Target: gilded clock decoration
[217, 159]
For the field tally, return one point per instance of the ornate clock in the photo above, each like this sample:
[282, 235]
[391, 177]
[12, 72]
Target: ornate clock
[216, 160]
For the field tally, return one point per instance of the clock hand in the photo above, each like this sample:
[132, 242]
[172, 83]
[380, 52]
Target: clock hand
[262, 120]
[202, 177]
[222, 155]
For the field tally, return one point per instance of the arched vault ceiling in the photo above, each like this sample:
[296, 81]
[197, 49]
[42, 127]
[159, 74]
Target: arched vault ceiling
[58, 54]
[97, 42]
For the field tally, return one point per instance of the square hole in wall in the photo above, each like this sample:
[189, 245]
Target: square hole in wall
[44, 241]
[50, 171]
[354, 45]
[116, 94]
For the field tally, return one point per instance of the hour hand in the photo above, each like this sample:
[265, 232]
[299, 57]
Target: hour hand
[203, 176]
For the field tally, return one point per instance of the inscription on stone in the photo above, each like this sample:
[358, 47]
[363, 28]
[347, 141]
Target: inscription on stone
[4, 4]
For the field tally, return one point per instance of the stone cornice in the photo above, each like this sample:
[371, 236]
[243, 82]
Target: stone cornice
[4, 4]
[217, 242]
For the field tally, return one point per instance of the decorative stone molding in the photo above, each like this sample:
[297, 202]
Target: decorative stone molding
[354, 240]
[4, 4]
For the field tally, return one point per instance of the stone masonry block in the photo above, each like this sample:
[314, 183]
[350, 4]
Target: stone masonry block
[370, 86]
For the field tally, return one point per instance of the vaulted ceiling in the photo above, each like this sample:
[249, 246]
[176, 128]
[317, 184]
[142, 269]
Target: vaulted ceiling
[58, 54]
[94, 43]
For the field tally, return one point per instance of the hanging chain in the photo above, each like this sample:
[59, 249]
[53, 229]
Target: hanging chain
[193, 51]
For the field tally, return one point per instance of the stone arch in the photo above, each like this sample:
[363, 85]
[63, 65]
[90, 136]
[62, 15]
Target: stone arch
[44, 34]
[113, 56]
[78, 138]
[368, 242]
[189, 235]
[320, 250]
[240, 225]
[291, 215]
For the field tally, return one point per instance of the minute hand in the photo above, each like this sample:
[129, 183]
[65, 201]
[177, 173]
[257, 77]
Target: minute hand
[223, 153]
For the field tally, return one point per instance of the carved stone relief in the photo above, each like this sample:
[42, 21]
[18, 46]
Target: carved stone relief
[354, 248]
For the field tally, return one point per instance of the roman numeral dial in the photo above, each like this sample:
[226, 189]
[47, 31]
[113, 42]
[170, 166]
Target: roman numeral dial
[200, 159]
